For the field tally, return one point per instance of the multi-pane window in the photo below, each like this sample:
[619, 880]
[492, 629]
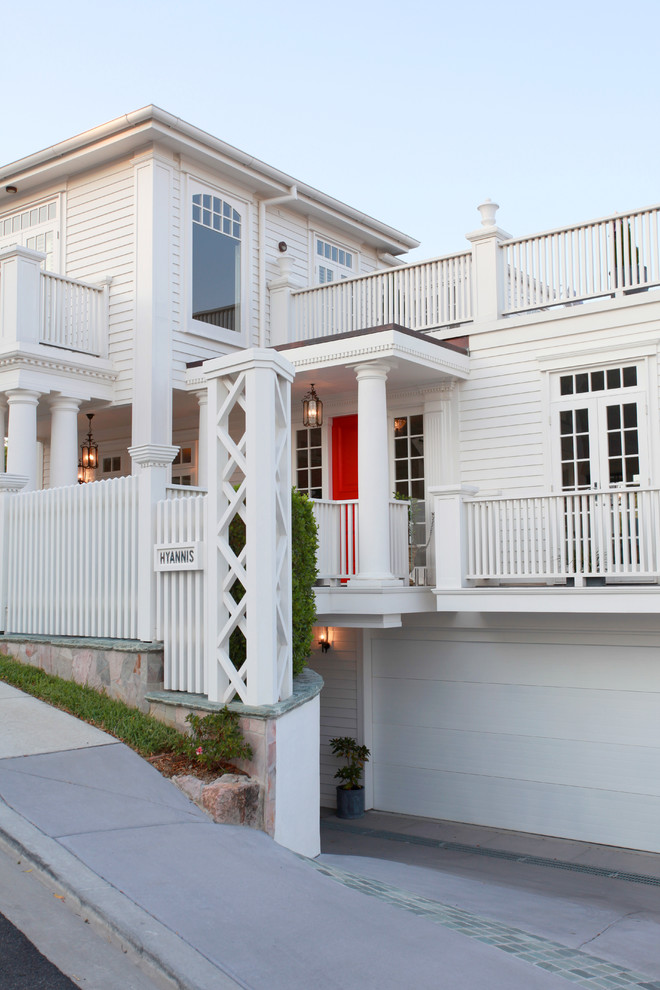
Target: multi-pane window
[601, 438]
[216, 262]
[409, 456]
[623, 444]
[333, 262]
[598, 381]
[575, 448]
[183, 467]
[111, 465]
[309, 462]
[33, 228]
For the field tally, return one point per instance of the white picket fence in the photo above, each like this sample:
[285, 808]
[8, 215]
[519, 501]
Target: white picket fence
[603, 534]
[180, 518]
[617, 254]
[69, 560]
[430, 294]
[74, 314]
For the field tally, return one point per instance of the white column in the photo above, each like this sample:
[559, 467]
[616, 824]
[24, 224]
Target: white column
[151, 462]
[22, 435]
[257, 381]
[203, 439]
[3, 434]
[373, 476]
[152, 361]
[63, 441]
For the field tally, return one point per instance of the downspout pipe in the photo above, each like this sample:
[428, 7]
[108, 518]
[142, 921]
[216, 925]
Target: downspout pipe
[263, 203]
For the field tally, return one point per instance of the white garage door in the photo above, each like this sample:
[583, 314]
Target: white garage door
[560, 740]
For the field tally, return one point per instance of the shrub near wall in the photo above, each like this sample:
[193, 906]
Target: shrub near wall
[304, 544]
[304, 540]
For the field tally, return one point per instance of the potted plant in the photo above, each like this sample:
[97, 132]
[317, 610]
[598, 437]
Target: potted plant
[350, 793]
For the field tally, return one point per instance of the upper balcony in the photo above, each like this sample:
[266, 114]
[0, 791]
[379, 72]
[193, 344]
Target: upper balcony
[499, 277]
[42, 308]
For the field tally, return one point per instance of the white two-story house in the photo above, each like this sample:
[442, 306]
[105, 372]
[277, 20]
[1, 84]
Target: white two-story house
[494, 629]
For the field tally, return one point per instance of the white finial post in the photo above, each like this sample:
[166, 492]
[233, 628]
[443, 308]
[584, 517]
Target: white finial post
[488, 209]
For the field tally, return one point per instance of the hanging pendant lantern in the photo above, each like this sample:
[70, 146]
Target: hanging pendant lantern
[89, 454]
[312, 409]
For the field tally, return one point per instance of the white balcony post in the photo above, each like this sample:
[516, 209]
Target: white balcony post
[488, 274]
[151, 463]
[203, 438]
[281, 310]
[373, 477]
[450, 534]
[22, 435]
[63, 441]
[258, 460]
[20, 295]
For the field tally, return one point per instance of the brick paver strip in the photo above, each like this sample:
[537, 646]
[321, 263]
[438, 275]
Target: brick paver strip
[585, 970]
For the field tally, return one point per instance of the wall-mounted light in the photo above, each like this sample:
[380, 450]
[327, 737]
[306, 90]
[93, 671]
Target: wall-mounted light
[324, 639]
[282, 247]
[312, 409]
[89, 455]
[11, 189]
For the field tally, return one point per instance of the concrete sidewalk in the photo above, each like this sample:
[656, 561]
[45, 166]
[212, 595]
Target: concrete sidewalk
[215, 906]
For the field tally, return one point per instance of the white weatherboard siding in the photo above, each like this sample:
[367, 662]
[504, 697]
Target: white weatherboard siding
[339, 699]
[100, 242]
[538, 729]
[503, 418]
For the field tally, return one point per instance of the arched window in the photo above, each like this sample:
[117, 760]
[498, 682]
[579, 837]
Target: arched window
[216, 262]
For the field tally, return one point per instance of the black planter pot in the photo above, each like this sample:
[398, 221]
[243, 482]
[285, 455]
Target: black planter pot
[350, 804]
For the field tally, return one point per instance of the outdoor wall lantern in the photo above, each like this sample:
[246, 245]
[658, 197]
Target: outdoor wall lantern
[312, 409]
[324, 639]
[89, 455]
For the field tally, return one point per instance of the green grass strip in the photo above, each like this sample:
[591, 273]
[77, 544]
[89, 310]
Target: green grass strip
[143, 733]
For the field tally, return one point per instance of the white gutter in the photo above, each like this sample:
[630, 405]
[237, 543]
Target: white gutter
[263, 203]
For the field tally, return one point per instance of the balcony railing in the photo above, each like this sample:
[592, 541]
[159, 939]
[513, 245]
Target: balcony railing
[338, 531]
[608, 535]
[430, 294]
[613, 256]
[73, 314]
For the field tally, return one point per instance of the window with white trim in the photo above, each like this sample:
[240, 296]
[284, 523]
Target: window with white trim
[309, 462]
[217, 235]
[600, 432]
[333, 262]
[34, 228]
[409, 456]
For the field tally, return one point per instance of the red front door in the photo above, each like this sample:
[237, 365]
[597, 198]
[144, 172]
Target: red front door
[344, 458]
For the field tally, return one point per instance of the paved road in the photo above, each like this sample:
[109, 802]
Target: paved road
[22, 966]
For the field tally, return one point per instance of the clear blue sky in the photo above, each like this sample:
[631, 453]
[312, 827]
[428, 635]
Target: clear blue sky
[412, 111]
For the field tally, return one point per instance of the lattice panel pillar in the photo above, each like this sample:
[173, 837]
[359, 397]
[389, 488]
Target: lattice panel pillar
[249, 482]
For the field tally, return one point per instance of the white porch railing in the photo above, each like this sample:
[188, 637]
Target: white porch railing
[615, 255]
[180, 594]
[604, 534]
[338, 532]
[430, 294]
[74, 314]
[70, 561]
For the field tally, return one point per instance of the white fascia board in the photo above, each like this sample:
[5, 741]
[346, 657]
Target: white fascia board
[598, 601]
[370, 607]
[388, 344]
[76, 376]
[151, 125]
